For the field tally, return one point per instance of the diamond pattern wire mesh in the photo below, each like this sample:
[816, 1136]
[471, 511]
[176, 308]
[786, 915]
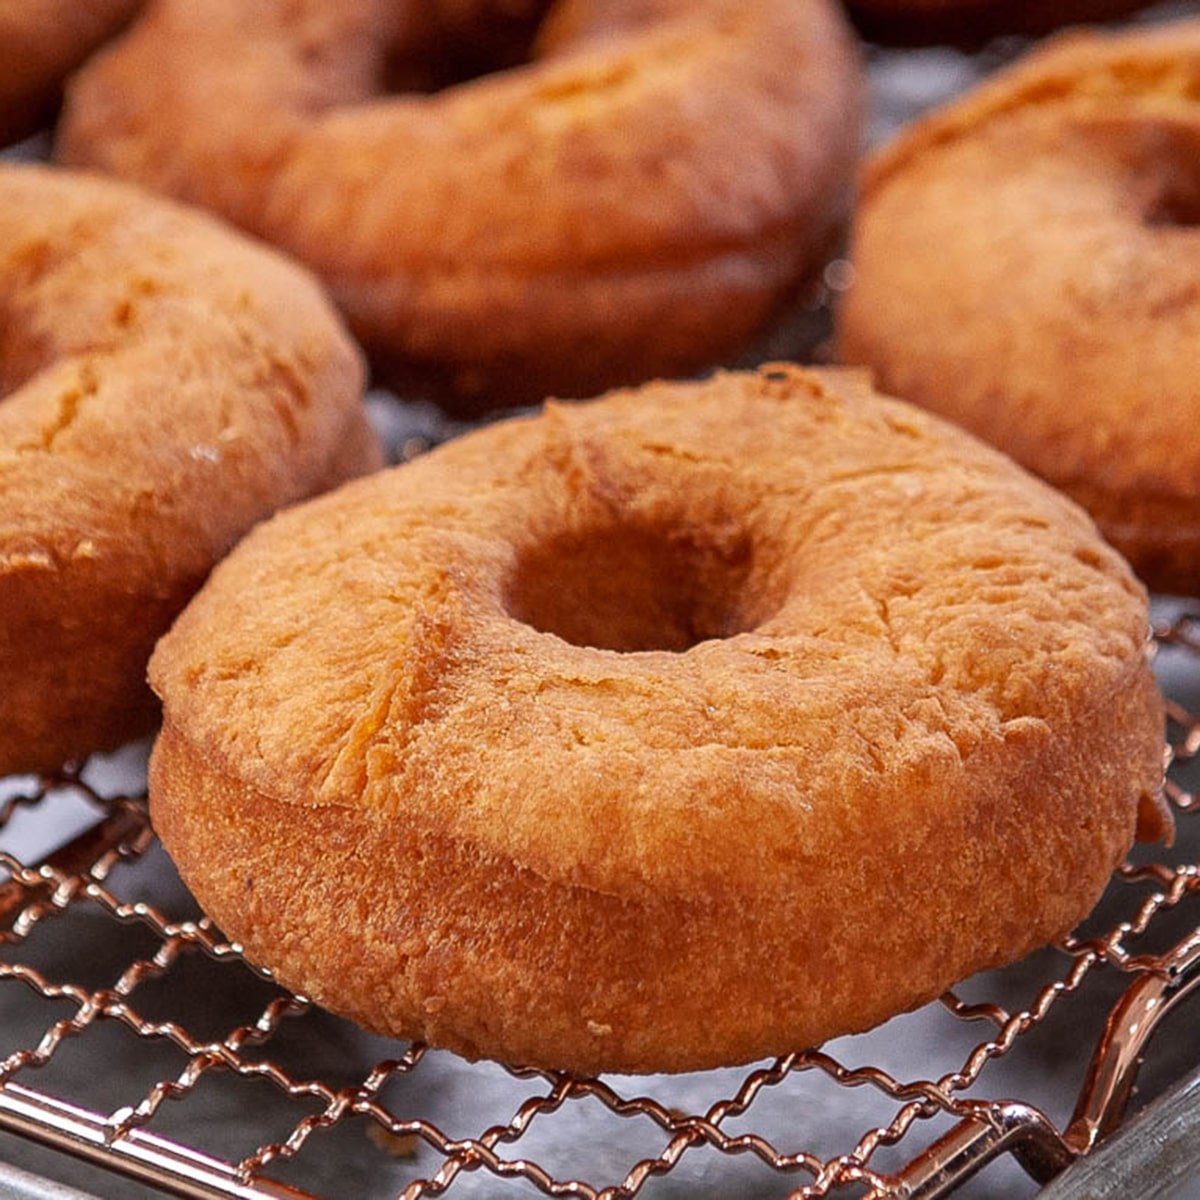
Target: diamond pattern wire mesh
[302, 1080]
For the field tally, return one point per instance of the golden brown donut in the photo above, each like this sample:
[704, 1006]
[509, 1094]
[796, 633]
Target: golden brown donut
[163, 385]
[41, 42]
[1027, 263]
[967, 21]
[695, 724]
[638, 198]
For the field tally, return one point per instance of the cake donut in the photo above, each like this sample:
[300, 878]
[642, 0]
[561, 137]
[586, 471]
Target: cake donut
[164, 384]
[695, 724]
[1026, 264]
[41, 42]
[966, 21]
[637, 197]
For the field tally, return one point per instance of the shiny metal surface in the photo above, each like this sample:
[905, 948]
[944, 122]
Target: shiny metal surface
[1155, 1157]
[20, 1185]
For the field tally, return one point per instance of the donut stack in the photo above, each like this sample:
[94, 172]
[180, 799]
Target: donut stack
[758, 687]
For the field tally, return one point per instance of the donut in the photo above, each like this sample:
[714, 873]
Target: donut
[164, 384]
[636, 198]
[1026, 263]
[676, 729]
[914, 22]
[41, 42]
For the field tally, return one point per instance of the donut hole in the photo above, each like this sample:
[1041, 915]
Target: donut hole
[1165, 171]
[1176, 204]
[463, 41]
[635, 589]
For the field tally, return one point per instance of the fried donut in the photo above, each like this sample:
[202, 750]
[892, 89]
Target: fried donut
[971, 21]
[163, 385]
[638, 198]
[41, 42]
[695, 724]
[1026, 264]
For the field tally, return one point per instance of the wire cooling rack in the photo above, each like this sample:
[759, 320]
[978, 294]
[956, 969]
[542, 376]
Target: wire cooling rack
[127, 1022]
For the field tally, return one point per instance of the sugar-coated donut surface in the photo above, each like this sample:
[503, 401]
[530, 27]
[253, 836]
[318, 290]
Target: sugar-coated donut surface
[690, 725]
[163, 385]
[1026, 264]
[41, 42]
[636, 198]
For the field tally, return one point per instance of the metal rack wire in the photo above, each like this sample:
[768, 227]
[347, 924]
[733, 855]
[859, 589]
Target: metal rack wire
[392, 1106]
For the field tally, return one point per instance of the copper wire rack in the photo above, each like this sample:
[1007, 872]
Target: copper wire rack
[122, 1008]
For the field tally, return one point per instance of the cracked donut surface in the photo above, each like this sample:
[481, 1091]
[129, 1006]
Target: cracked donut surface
[1026, 265]
[163, 385]
[636, 194]
[686, 726]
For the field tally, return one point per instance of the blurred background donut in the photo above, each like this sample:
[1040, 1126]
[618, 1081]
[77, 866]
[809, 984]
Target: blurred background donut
[635, 191]
[41, 42]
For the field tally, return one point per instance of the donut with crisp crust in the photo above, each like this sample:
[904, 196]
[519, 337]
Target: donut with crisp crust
[695, 724]
[640, 191]
[164, 384]
[1026, 263]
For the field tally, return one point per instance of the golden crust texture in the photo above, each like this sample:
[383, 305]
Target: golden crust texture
[1026, 264]
[41, 42]
[680, 728]
[973, 21]
[637, 198]
[163, 385]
